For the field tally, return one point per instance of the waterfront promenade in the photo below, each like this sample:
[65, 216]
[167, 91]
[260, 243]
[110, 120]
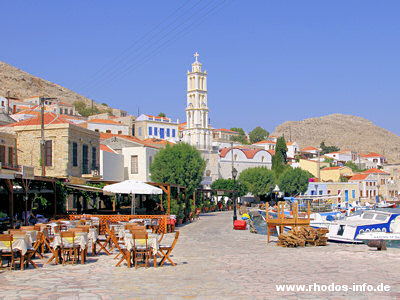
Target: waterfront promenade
[214, 262]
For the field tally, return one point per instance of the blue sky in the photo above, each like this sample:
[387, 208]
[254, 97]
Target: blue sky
[267, 61]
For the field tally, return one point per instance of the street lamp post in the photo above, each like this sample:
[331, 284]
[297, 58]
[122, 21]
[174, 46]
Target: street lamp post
[276, 191]
[234, 174]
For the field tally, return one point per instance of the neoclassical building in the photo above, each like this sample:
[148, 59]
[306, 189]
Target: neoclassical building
[197, 131]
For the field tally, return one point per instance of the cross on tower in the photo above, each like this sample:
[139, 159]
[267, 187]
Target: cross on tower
[196, 55]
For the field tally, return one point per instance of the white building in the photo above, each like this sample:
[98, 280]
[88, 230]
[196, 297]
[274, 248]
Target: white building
[106, 126]
[111, 164]
[368, 186]
[340, 156]
[242, 158]
[137, 155]
[149, 127]
[197, 131]
[377, 159]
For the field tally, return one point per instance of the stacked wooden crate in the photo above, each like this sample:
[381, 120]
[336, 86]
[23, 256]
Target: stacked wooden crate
[303, 236]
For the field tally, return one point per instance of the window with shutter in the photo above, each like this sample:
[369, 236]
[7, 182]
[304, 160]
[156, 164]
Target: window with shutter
[11, 156]
[94, 160]
[48, 153]
[3, 154]
[134, 164]
[85, 162]
[74, 154]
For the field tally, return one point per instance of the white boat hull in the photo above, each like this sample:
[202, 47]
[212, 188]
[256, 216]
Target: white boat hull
[387, 236]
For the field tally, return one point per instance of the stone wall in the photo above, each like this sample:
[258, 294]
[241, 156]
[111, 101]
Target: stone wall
[62, 137]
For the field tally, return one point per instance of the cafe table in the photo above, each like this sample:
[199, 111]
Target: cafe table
[152, 241]
[81, 239]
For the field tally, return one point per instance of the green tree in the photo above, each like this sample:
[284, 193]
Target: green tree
[241, 138]
[294, 181]
[279, 160]
[258, 180]
[227, 184]
[258, 134]
[86, 111]
[327, 149]
[178, 164]
[161, 114]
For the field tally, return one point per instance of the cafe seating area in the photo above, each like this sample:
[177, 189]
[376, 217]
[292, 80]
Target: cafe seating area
[137, 242]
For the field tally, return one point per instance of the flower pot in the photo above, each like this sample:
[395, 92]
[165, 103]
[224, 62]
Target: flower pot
[206, 209]
[180, 221]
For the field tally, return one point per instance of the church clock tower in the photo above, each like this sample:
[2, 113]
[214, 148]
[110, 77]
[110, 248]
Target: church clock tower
[197, 132]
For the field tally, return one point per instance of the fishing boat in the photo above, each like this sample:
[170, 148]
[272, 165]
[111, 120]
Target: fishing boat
[393, 235]
[348, 229]
[385, 205]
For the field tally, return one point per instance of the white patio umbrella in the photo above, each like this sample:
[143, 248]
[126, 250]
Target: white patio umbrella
[132, 187]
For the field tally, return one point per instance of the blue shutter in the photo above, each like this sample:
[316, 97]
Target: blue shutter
[155, 131]
[167, 132]
[150, 130]
[173, 132]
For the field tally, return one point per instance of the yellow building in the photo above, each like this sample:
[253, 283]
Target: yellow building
[334, 173]
[346, 190]
[69, 150]
[312, 166]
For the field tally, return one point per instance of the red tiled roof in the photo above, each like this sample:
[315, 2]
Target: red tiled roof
[359, 177]
[155, 117]
[248, 152]
[374, 171]
[265, 142]
[310, 148]
[331, 168]
[48, 118]
[104, 121]
[65, 104]
[182, 125]
[226, 130]
[105, 136]
[28, 112]
[372, 154]
[106, 148]
[272, 152]
[289, 143]
[158, 141]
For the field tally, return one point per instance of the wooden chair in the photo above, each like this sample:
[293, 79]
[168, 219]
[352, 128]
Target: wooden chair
[37, 245]
[9, 252]
[141, 251]
[30, 253]
[126, 254]
[68, 247]
[165, 251]
[104, 240]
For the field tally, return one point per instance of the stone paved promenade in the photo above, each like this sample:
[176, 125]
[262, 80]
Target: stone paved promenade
[214, 262]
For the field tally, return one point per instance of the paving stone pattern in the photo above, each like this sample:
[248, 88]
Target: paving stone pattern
[214, 262]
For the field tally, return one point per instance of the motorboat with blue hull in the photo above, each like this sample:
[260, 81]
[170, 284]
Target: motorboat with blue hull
[347, 230]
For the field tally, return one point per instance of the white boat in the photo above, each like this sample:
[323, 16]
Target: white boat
[385, 205]
[393, 235]
[370, 221]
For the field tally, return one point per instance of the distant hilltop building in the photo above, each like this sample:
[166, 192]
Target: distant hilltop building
[197, 131]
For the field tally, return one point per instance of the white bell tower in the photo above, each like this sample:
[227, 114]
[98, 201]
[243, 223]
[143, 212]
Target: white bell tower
[198, 132]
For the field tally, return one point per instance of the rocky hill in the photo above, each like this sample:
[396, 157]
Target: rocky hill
[343, 131]
[22, 85]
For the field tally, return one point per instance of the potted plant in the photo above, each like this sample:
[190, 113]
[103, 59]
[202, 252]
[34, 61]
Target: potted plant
[181, 214]
[229, 204]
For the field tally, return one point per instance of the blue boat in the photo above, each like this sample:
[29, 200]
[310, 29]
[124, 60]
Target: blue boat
[347, 230]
